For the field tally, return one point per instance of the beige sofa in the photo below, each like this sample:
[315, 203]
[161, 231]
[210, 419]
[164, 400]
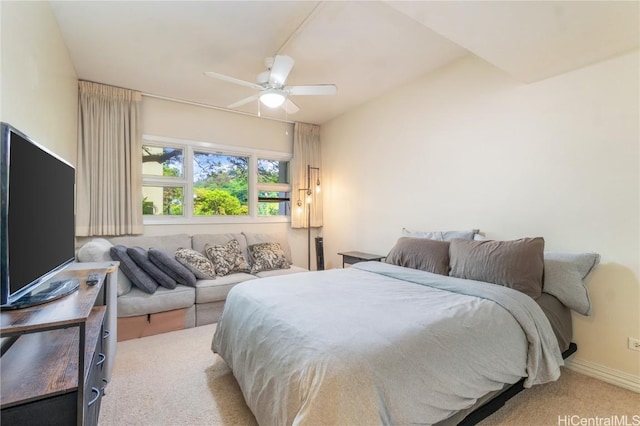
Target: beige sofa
[143, 314]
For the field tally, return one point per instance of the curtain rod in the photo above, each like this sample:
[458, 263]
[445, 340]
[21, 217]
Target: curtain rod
[166, 98]
[216, 108]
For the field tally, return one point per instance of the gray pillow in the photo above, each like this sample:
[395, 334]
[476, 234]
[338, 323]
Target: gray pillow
[267, 257]
[197, 263]
[564, 278]
[138, 277]
[227, 258]
[441, 235]
[139, 255]
[170, 266]
[517, 264]
[421, 253]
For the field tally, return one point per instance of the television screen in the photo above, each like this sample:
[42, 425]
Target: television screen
[38, 230]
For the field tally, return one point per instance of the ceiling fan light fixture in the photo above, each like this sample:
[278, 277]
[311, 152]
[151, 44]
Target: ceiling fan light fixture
[272, 98]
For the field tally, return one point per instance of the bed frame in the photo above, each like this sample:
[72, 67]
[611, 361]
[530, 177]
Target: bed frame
[493, 405]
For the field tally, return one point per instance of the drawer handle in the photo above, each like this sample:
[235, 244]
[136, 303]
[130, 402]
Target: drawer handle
[97, 392]
[106, 334]
[104, 386]
[102, 358]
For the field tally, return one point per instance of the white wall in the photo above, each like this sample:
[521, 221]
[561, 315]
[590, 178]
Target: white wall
[469, 147]
[191, 122]
[38, 83]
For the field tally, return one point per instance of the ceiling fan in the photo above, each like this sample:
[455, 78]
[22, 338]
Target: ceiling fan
[271, 84]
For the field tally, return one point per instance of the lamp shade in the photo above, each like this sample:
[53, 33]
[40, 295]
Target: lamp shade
[272, 98]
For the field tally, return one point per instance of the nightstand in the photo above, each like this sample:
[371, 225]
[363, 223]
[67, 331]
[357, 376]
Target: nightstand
[351, 257]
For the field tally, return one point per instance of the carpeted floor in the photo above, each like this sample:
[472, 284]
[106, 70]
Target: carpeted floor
[174, 379]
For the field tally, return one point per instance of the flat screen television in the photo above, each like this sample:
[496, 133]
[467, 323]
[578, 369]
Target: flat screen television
[37, 221]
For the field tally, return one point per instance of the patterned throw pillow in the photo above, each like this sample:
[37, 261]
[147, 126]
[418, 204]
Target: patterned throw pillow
[197, 263]
[227, 258]
[267, 257]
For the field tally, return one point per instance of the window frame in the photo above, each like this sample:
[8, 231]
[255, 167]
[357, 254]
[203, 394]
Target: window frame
[186, 181]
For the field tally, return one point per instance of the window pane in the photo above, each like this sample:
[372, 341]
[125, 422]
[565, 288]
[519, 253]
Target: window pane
[273, 171]
[220, 184]
[272, 203]
[162, 200]
[161, 161]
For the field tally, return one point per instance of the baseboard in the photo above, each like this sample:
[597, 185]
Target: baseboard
[606, 374]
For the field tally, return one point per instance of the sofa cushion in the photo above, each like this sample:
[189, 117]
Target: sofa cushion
[138, 277]
[99, 250]
[168, 263]
[256, 238]
[197, 263]
[170, 243]
[292, 270]
[227, 258]
[267, 257]
[137, 302]
[139, 255]
[215, 290]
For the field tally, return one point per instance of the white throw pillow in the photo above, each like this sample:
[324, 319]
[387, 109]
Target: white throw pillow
[98, 250]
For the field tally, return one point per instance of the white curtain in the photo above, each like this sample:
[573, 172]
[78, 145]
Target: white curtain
[109, 170]
[306, 152]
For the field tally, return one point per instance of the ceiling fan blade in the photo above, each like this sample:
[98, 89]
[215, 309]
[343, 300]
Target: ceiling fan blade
[244, 101]
[280, 69]
[290, 107]
[233, 80]
[312, 89]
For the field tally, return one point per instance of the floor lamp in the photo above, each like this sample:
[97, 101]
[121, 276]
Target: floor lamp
[309, 199]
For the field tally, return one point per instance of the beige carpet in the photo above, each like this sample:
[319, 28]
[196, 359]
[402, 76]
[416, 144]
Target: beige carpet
[175, 379]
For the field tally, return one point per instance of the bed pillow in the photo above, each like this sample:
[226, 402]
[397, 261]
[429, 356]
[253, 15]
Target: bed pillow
[267, 257]
[197, 263]
[138, 277]
[421, 253]
[564, 278]
[170, 266]
[517, 264]
[139, 255]
[227, 258]
[441, 235]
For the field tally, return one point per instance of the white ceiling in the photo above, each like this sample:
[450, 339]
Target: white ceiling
[365, 48]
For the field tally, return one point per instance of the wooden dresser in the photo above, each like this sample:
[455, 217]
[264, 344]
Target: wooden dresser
[53, 356]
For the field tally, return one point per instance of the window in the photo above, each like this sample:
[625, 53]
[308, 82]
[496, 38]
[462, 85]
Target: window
[199, 182]
[163, 192]
[220, 184]
[273, 188]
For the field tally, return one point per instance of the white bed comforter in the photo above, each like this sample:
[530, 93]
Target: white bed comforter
[379, 344]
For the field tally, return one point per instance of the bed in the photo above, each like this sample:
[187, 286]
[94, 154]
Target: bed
[379, 343]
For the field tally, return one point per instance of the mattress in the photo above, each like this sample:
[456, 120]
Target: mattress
[378, 343]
